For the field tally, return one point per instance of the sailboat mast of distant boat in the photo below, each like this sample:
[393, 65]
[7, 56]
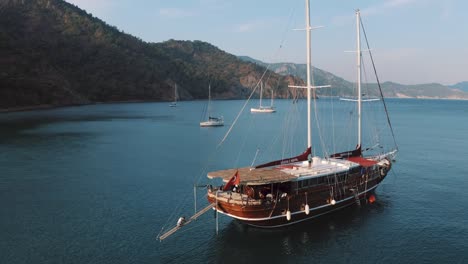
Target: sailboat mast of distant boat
[174, 103]
[212, 120]
[261, 108]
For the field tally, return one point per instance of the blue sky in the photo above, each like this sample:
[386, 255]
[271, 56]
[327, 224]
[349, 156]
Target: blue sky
[413, 41]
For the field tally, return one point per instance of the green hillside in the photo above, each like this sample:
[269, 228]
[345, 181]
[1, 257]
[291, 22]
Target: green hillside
[53, 53]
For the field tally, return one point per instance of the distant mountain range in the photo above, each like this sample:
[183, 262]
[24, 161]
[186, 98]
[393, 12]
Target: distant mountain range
[462, 86]
[345, 88]
[54, 54]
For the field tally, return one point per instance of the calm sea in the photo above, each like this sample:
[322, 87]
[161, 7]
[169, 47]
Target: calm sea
[95, 184]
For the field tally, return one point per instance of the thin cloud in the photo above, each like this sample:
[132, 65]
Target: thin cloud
[250, 26]
[382, 8]
[374, 10]
[203, 7]
[399, 53]
[446, 11]
[175, 13]
[215, 4]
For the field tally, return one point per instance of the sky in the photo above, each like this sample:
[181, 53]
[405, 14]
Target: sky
[412, 41]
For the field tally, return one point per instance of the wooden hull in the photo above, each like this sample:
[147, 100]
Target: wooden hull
[301, 216]
[272, 213]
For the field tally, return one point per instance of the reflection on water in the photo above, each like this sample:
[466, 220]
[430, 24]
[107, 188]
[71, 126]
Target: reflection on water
[95, 184]
[43, 124]
[240, 243]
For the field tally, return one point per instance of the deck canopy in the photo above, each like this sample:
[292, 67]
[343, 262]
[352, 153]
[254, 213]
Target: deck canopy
[285, 173]
[253, 176]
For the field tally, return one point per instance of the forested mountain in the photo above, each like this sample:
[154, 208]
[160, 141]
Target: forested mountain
[53, 53]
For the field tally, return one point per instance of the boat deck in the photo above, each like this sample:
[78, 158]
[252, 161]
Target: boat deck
[284, 173]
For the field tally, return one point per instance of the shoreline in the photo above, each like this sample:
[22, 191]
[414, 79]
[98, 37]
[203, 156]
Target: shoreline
[48, 107]
[27, 108]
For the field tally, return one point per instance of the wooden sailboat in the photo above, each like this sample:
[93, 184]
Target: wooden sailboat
[261, 108]
[300, 188]
[288, 191]
[212, 120]
[174, 103]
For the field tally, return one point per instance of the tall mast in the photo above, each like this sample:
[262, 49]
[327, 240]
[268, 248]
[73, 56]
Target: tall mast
[358, 31]
[272, 95]
[209, 100]
[261, 92]
[308, 29]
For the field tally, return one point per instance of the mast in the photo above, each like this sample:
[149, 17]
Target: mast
[272, 95]
[308, 29]
[209, 100]
[359, 99]
[261, 92]
[309, 86]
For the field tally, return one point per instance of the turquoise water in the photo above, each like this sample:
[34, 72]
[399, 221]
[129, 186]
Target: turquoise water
[95, 184]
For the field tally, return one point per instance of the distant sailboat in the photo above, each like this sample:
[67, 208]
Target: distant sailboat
[362, 100]
[212, 121]
[261, 108]
[174, 104]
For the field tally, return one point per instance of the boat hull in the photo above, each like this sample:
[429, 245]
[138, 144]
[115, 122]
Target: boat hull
[301, 216]
[262, 110]
[212, 123]
[274, 213]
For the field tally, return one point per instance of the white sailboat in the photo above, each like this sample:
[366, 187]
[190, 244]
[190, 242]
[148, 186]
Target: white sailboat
[174, 103]
[212, 120]
[261, 108]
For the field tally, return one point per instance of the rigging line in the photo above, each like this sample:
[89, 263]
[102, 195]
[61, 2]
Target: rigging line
[244, 141]
[242, 109]
[204, 111]
[255, 157]
[291, 124]
[285, 32]
[297, 125]
[216, 151]
[333, 123]
[183, 202]
[171, 217]
[256, 86]
[373, 139]
[287, 124]
[378, 83]
[319, 129]
[366, 117]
